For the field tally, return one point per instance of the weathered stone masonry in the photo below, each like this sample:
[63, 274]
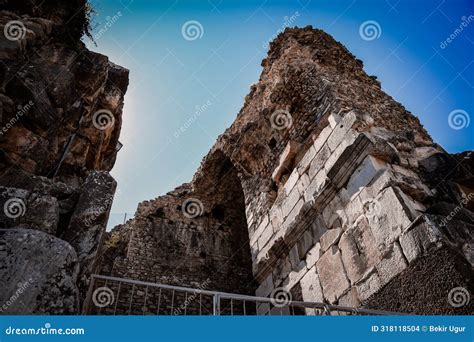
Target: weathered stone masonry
[324, 185]
[55, 189]
[345, 196]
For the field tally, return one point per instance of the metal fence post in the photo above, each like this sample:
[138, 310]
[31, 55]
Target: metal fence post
[216, 305]
[86, 308]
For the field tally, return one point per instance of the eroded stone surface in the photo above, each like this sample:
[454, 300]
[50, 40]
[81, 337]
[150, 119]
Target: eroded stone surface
[332, 275]
[51, 139]
[38, 273]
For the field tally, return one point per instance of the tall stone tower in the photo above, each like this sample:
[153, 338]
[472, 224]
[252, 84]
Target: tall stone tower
[323, 186]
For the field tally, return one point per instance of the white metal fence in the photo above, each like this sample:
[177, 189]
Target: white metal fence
[118, 296]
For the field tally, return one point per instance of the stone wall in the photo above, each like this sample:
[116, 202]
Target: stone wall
[60, 119]
[194, 235]
[345, 195]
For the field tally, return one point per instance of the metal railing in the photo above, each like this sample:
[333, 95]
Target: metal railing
[117, 296]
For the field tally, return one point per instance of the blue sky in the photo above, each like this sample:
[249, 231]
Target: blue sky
[203, 81]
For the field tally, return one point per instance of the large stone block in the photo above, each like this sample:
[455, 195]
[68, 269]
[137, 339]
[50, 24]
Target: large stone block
[369, 285]
[313, 255]
[379, 183]
[364, 174]
[266, 235]
[388, 217]
[334, 211]
[295, 276]
[293, 214]
[303, 165]
[310, 287]
[276, 218]
[332, 275]
[359, 250]
[291, 182]
[25, 209]
[303, 183]
[346, 157]
[263, 309]
[38, 273]
[311, 290]
[392, 263]
[322, 138]
[315, 185]
[261, 227]
[89, 220]
[418, 239]
[330, 238]
[350, 299]
[290, 202]
[334, 119]
[43, 214]
[353, 211]
[319, 161]
[341, 130]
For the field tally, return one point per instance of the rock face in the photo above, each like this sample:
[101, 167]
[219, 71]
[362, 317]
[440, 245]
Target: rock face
[38, 272]
[323, 186]
[60, 119]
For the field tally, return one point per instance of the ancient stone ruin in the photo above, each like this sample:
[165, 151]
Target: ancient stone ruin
[324, 186]
[57, 144]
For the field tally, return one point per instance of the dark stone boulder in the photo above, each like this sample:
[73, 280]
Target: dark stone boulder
[38, 273]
